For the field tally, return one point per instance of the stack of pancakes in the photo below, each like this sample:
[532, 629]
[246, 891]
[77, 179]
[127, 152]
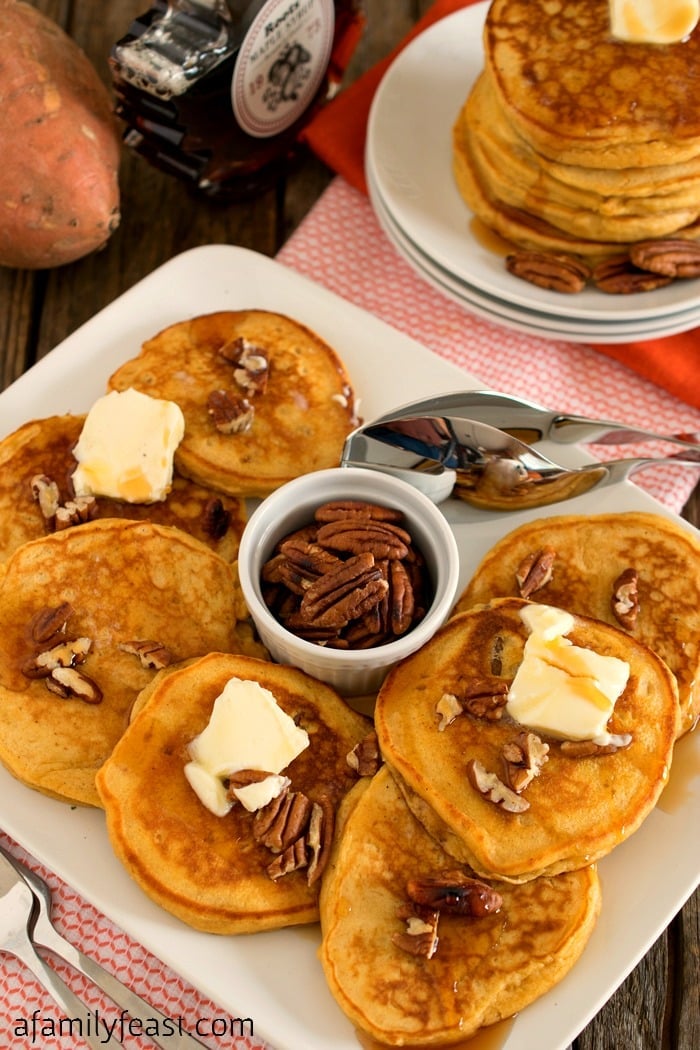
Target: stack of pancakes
[573, 141]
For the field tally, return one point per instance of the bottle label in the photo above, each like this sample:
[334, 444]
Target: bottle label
[281, 64]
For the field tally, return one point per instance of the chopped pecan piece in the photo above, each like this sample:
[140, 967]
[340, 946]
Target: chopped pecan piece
[69, 682]
[153, 655]
[455, 892]
[216, 518]
[535, 570]
[448, 708]
[291, 859]
[555, 271]
[230, 414]
[672, 257]
[45, 492]
[590, 749]
[75, 512]
[250, 361]
[625, 598]
[319, 839]
[365, 757]
[421, 934]
[524, 758]
[493, 788]
[484, 697]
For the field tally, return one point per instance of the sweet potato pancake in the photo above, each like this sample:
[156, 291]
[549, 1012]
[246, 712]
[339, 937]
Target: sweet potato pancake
[438, 722]
[212, 871]
[483, 968]
[87, 616]
[651, 563]
[566, 143]
[43, 448]
[264, 398]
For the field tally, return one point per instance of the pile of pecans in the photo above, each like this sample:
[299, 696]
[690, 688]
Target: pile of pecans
[351, 579]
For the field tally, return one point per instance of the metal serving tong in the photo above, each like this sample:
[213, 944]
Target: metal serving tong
[446, 446]
[25, 920]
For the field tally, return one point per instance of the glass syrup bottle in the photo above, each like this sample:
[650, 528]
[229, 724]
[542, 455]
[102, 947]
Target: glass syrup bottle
[216, 92]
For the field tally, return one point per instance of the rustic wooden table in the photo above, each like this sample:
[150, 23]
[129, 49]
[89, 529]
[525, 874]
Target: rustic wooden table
[658, 1006]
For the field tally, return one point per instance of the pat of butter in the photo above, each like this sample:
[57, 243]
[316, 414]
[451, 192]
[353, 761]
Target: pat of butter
[653, 21]
[127, 446]
[247, 730]
[561, 689]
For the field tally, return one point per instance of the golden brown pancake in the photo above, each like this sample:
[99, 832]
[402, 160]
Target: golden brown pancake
[579, 808]
[581, 96]
[484, 968]
[125, 583]
[211, 871]
[45, 447]
[301, 414]
[590, 555]
[566, 144]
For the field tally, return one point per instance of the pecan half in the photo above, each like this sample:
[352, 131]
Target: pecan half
[625, 598]
[455, 892]
[524, 758]
[291, 859]
[282, 821]
[383, 539]
[619, 276]
[336, 510]
[493, 788]
[319, 839]
[75, 512]
[484, 697]
[673, 257]
[557, 272]
[344, 594]
[50, 623]
[534, 571]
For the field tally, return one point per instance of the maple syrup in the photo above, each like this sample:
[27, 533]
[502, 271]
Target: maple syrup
[216, 92]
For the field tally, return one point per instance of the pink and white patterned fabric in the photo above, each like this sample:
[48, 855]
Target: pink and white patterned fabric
[340, 245]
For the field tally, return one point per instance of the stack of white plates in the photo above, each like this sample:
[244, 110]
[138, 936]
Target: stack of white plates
[408, 164]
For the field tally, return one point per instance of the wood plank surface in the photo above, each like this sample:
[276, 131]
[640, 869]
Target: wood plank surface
[658, 1006]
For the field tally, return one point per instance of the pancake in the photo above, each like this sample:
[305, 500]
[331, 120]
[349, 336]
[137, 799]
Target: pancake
[565, 142]
[300, 406]
[211, 871]
[578, 807]
[591, 553]
[582, 97]
[45, 447]
[126, 583]
[484, 969]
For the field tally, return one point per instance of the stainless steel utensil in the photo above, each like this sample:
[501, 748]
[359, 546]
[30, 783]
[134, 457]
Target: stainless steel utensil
[531, 422]
[494, 469]
[17, 909]
[44, 933]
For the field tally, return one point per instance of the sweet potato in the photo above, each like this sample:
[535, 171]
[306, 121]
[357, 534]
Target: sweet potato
[59, 145]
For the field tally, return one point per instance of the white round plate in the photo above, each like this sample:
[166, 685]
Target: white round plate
[521, 319]
[409, 154]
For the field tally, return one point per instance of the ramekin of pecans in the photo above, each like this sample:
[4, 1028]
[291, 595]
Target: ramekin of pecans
[345, 572]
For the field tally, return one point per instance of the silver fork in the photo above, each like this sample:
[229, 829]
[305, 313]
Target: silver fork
[17, 908]
[45, 933]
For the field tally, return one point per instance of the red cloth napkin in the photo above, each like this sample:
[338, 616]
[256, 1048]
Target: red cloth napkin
[337, 135]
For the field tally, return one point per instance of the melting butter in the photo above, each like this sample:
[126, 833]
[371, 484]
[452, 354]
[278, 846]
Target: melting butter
[247, 730]
[653, 21]
[127, 446]
[561, 689]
